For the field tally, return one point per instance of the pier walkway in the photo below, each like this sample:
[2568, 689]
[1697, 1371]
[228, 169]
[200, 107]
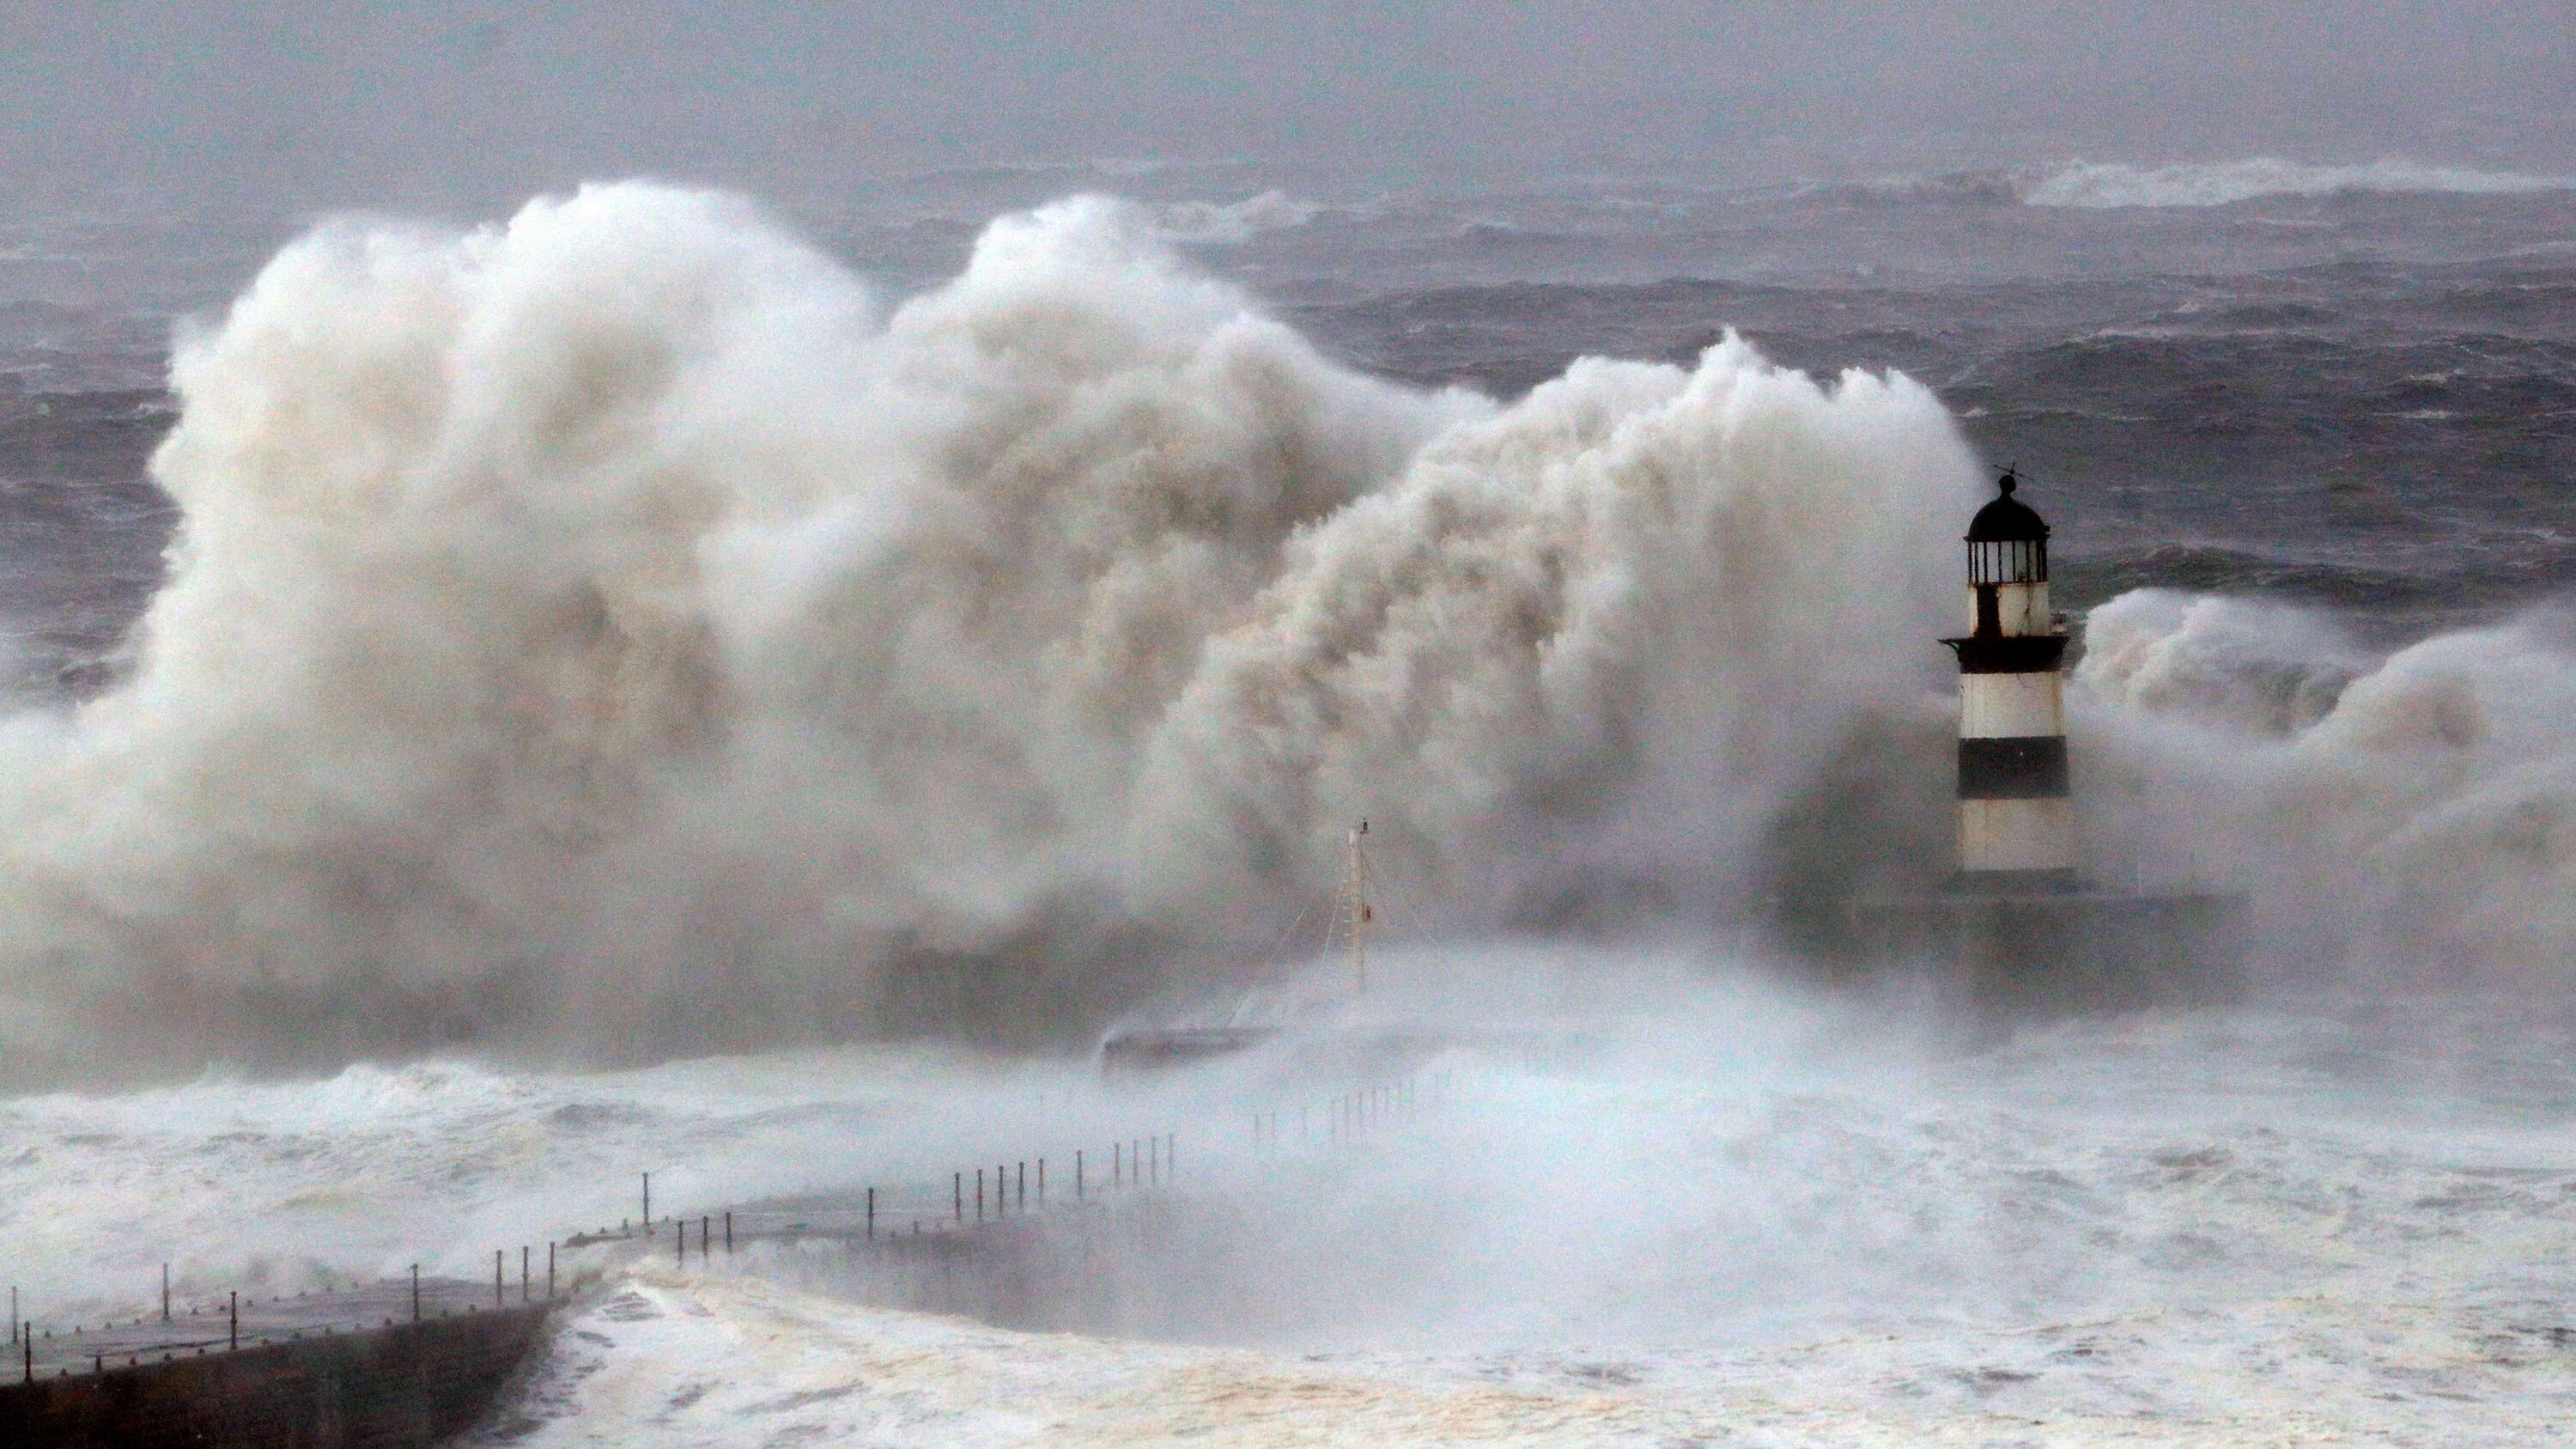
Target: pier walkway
[196, 1330]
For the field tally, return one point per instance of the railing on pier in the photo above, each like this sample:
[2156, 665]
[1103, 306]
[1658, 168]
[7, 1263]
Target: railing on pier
[907, 1219]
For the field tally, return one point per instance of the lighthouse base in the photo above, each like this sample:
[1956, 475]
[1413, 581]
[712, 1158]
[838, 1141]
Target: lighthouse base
[2055, 948]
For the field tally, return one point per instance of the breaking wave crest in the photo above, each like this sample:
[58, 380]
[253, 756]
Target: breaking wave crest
[621, 628]
[2224, 183]
[1232, 223]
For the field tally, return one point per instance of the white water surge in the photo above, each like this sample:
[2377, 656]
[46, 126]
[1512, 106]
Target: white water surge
[1743, 1216]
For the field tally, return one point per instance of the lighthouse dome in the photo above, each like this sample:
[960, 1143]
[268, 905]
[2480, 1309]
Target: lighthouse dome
[2007, 519]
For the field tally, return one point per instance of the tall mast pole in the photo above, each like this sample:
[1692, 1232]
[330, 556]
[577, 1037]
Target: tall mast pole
[1355, 904]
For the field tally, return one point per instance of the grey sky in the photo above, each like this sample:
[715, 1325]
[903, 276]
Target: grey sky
[306, 101]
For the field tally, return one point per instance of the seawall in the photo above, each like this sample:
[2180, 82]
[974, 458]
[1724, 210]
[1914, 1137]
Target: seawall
[412, 1384]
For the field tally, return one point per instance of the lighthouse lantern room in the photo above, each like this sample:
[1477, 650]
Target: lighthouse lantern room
[2016, 823]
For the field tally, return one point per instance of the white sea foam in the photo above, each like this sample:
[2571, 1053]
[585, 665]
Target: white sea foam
[700, 1361]
[2223, 183]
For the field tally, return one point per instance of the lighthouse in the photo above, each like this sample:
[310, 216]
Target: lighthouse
[2016, 823]
[2013, 928]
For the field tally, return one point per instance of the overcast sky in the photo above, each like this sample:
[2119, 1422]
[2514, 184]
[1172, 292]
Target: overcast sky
[303, 102]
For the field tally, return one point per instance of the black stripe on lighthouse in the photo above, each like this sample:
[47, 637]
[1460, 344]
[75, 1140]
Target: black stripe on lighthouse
[2009, 653]
[2012, 767]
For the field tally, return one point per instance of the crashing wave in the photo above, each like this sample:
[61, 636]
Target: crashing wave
[1222, 223]
[618, 625]
[620, 628]
[2419, 809]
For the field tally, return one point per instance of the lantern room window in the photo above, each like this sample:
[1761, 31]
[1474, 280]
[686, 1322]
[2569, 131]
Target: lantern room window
[2008, 561]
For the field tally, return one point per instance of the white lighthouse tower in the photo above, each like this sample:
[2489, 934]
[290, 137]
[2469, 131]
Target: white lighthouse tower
[2016, 824]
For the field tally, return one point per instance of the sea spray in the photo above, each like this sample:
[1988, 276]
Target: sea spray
[617, 629]
[2402, 818]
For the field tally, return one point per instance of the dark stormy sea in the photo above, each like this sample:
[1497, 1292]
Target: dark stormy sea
[569, 680]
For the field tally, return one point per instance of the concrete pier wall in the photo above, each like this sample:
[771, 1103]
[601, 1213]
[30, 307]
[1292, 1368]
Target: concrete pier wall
[2053, 953]
[413, 1384]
